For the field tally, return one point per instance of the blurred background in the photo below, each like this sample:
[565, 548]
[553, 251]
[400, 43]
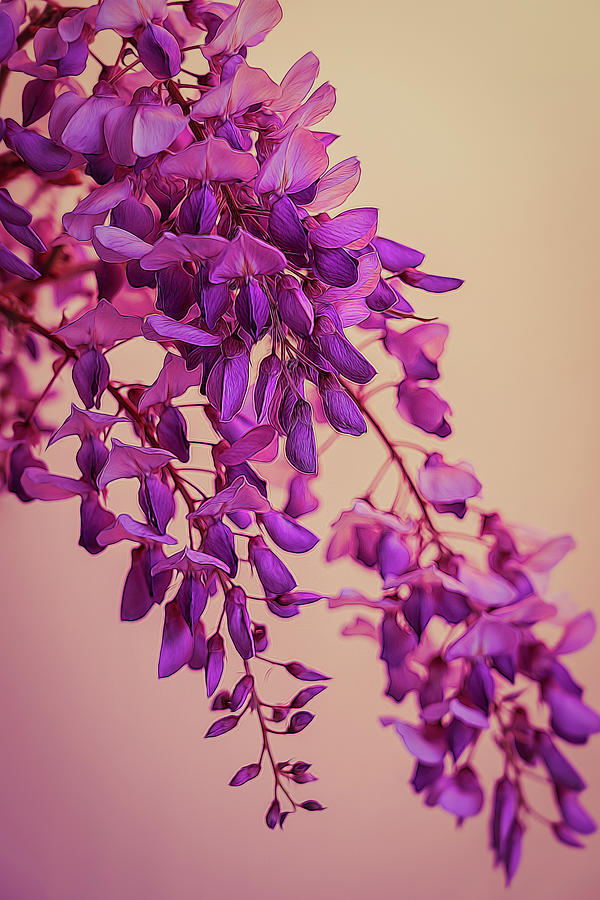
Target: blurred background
[477, 128]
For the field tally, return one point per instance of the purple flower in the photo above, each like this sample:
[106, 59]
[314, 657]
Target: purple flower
[159, 52]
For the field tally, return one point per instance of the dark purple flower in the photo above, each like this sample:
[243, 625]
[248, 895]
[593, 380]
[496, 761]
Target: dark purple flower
[177, 643]
[238, 622]
[159, 52]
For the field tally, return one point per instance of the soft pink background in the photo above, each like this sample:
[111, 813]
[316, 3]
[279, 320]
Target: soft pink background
[477, 127]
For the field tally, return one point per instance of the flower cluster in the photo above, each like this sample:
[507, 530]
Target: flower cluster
[206, 223]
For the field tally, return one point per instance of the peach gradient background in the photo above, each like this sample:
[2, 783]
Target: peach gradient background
[477, 128]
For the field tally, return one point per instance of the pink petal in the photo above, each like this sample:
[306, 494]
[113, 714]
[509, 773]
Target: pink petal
[156, 127]
[43, 485]
[248, 446]
[335, 186]
[82, 423]
[486, 589]
[115, 245]
[298, 161]
[353, 228]
[118, 133]
[211, 160]
[159, 327]
[467, 714]
[296, 83]
[80, 222]
[486, 637]
[238, 495]
[85, 129]
[318, 105]
[125, 16]
[245, 27]
[126, 461]
[443, 483]
[427, 745]
[125, 528]
[577, 634]
[549, 554]
[173, 380]
[247, 256]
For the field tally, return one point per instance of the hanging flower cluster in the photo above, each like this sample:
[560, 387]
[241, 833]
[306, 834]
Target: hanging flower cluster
[201, 217]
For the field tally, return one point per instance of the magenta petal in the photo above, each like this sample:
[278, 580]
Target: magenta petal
[43, 485]
[266, 384]
[238, 495]
[397, 257]
[300, 445]
[11, 263]
[247, 256]
[159, 52]
[177, 642]
[115, 245]
[248, 446]
[487, 637]
[40, 154]
[102, 327]
[142, 590]
[427, 743]
[294, 307]
[575, 816]
[339, 407]
[238, 622]
[571, 719]
[10, 211]
[461, 794]
[84, 422]
[418, 349]
[299, 160]
[246, 773]
[118, 133]
[354, 227]
[125, 16]
[84, 131]
[125, 528]
[577, 634]
[155, 128]
[37, 98]
[211, 160]
[172, 381]
[559, 768]
[274, 576]
[94, 208]
[562, 834]
[8, 35]
[301, 500]
[335, 186]
[345, 358]
[444, 483]
[245, 27]
[158, 328]
[423, 407]
[126, 461]
[486, 589]
[228, 380]
[437, 284]
[468, 714]
[393, 556]
[287, 533]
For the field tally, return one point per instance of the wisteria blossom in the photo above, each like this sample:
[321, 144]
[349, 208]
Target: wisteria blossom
[201, 213]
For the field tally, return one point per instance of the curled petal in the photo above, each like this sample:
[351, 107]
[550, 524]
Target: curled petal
[159, 52]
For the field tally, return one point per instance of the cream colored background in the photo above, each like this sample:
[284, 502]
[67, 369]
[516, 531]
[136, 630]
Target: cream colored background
[477, 127]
